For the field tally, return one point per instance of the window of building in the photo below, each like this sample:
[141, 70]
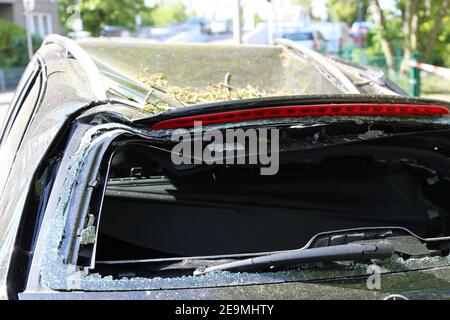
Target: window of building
[41, 24]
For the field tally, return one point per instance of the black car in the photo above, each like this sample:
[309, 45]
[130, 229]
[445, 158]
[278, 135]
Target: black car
[93, 205]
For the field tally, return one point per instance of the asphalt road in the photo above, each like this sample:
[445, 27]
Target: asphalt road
[5, 99]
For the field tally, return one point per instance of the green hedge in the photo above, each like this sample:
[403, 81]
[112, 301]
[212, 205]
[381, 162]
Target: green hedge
[13, 45]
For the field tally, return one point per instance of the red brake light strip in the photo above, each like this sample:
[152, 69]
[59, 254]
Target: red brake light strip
[303, 111]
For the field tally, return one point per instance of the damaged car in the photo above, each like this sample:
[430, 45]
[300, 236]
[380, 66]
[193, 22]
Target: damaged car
[95, 204]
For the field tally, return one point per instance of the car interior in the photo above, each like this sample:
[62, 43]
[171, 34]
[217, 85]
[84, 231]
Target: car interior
[153, 211]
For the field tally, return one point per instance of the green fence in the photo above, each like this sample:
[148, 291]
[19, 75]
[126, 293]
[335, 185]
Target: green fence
[430, 85]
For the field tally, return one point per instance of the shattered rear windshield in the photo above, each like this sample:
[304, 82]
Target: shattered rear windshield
[196, 74]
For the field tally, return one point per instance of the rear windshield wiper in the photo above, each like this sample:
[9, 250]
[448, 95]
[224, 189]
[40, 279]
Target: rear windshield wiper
[382, 249]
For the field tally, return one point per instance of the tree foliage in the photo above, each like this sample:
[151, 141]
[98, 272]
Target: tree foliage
[98, 13]
[8, 31]
[423, 29]
[347, 10]
[13, 45]
[410, 26]
[167, 14]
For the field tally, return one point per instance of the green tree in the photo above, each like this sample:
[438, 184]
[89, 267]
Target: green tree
[63, 6]
[167, 14]
[8, 31]
[347, 10]
[384, 34]
[98, 13]
[415, 26]
[13, 45]
[437, 25]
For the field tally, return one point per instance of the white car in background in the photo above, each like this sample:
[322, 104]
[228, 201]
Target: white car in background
[217, 27]
[311, 39]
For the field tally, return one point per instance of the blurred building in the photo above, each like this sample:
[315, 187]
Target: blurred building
[45, 16]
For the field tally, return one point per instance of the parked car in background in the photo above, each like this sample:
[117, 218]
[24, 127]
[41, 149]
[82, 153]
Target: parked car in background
[93, 205]
[114, 31]
[311, 39]
[362, 26]
[359, 38]
[216, 27]
[359, 31]
[336, 34]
